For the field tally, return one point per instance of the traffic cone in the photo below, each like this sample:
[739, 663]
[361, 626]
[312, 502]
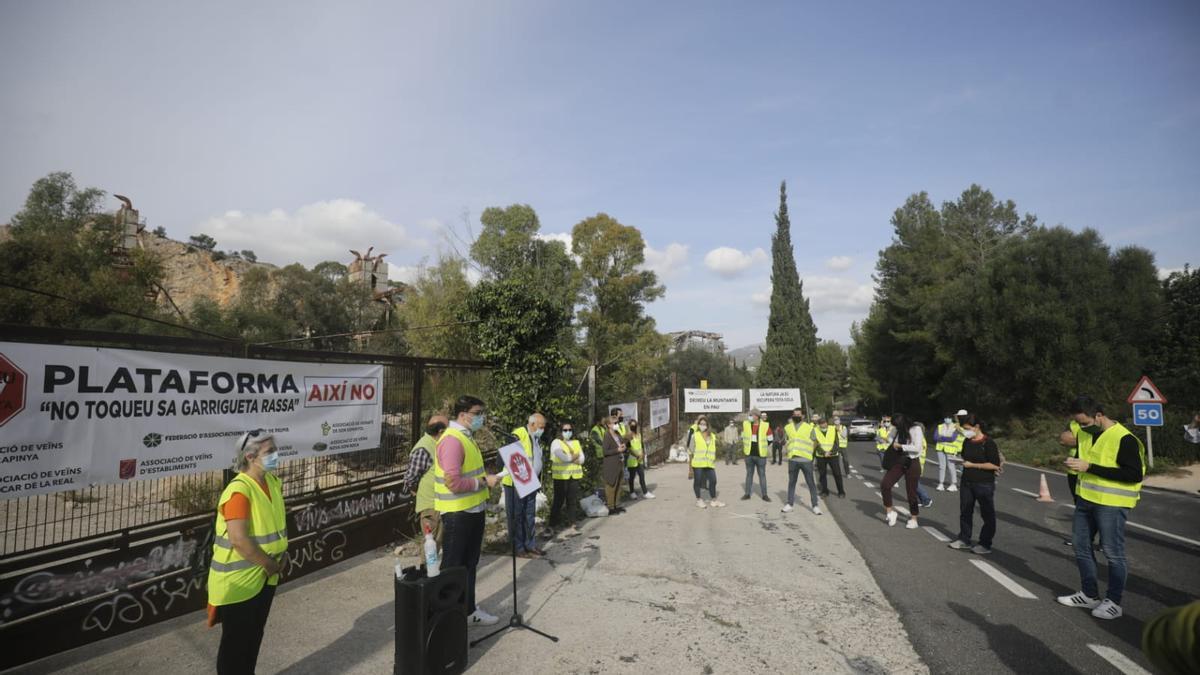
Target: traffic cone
[1044, 491]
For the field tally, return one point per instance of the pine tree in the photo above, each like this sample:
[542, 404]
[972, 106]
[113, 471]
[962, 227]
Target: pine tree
[790, 353]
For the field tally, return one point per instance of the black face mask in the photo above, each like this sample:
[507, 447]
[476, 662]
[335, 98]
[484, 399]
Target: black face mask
[797, 418]
[1092, 429]
[435, 429]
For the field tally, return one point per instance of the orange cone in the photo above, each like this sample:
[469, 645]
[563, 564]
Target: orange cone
[1044, 491]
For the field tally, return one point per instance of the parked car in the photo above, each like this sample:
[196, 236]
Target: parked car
[862, 429]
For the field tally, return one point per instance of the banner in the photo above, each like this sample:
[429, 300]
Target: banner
[74, 416]
[660, 412]
[520, 469]
[775, 399]
[630, 410]
[712, 400]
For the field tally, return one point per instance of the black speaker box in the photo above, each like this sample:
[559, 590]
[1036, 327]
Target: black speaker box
[431, 623]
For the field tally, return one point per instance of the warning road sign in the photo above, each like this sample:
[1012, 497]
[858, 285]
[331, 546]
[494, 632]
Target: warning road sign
[1146, 392]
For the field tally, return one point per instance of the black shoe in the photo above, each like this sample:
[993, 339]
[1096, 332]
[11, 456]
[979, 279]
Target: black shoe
[842, 495]
[825, 494]
[619, 509]
[766, 498]
[745, 497]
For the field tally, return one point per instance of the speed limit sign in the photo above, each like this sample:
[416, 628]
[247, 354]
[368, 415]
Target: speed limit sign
[1148, 414]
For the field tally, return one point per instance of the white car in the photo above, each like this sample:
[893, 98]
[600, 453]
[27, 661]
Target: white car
[861, 429]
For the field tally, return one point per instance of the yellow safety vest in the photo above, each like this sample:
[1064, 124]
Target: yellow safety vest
[597, 433]
[843, 437]
[561, 470]
[232, 578]
[522, 434]
[799, 440]
[1103, 452]
[446, 501]
[1083, 441]
[425, 497]
[705, 455]
[748, 436]
[827, 440]
[881, 439]
[953, 447]
[635, 446]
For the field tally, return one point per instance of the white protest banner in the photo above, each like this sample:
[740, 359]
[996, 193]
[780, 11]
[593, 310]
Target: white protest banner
[630, 410]
[520, 468]
[712, 400]
[775, 399]
[73, 416]
[660, 412]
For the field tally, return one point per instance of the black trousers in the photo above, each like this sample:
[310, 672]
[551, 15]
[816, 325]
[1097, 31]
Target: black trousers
[565, 506]
[638, 471]
[823, 465]
[242, 625]
[462, 541]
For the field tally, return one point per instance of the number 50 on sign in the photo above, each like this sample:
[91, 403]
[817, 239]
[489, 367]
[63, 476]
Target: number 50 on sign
[1148, 414]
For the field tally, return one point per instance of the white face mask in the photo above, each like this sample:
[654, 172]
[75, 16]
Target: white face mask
[567, 434]
[703, 427]
[970, 433]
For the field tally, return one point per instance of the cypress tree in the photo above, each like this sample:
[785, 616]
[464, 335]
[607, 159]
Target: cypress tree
[790, 353]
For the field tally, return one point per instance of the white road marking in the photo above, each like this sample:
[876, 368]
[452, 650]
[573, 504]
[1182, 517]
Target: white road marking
[936, 533]
[1118, 660]
[1034, 468]
[1147, 528]
[1002, 579]
[901, 509]
[1025, 492]
[879, 494]
[738, 515]
[869, 484]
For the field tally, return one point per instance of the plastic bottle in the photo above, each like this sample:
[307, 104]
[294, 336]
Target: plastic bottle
[432, 564]
[399, 571]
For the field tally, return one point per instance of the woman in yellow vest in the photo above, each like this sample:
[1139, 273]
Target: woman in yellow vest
[249, 546]
[566, 467]
[636, 463]
[703, 464]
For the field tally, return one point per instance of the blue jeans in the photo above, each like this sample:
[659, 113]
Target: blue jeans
[795, 466]
[1109, 521]
[521, 511]
[752, 462]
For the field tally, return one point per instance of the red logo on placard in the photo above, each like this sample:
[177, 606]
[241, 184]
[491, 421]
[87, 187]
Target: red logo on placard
[128, 469]
[518, 466]
[12, 389]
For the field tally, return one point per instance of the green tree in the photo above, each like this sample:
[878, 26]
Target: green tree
[425, 312]
[202, 242]
[789, 356]
[832, 381]
[1175, 358]
[508, 247]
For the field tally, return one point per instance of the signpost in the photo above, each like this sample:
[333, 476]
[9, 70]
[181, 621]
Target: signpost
[1147, 403]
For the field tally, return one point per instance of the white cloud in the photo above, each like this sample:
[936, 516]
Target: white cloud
[404, 273]
[835, 294]
[839, 262]
[669, 263]
[325, 230]
[1164, 272]
[730, 262]
[564, 237]
[762, 298]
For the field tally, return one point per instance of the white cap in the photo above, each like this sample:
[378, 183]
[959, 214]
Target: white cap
[961, 411]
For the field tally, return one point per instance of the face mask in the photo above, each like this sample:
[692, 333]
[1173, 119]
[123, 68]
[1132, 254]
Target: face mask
[946, 420]
[538, 433]
[969, 433]
[1092, 429]
[703, 427]
[271, 461]
[477, 422]
[567, 433]
[797, 418]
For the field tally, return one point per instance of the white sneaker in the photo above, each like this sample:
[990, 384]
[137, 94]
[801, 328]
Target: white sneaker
[716, 504]
[787, 508]
[648, 495]
[816, 510]
[700, 504]
[633, 496]
[1079, 599]
[482, 618]
[952, 488]
[851, 466]
[891, 518]
[941, 488]
[911, 524]
[1107, 610]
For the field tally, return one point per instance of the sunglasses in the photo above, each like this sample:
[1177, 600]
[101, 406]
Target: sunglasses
[250, 434]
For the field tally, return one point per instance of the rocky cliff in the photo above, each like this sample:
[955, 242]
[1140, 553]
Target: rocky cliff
[191, 273]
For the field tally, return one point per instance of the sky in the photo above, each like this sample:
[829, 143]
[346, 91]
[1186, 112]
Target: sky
[301, 130]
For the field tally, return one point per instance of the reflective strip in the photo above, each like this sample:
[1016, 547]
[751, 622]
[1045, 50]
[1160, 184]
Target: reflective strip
[1088, 485]
[474, 473]
[263, 539]
[457, 495]
[231, 566]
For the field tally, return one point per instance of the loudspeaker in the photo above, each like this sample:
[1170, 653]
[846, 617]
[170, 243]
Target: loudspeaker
[431, 623]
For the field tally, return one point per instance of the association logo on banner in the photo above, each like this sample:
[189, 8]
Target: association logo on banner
[126, 469]
[12, 389]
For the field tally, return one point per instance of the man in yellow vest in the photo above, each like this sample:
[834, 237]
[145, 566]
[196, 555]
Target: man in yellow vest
[461, 492]
[249, 547]
[883, 437]
[1110, 473]
[522, 511]
[825, 449]
[566, 467]
[418, 479]
[756, 446]
[800, 459]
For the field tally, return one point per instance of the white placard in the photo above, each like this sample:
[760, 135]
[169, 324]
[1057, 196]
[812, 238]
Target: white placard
[660, 412]
[520, 469]
[90, 415]
[775, 399]
[712, 400]
[630, 410]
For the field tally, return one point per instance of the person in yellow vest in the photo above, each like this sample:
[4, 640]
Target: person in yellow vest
[843, 444]
[799, 449]
[1109, 485]
[635, 465]
[703, 464]
[566, 468]
[461, 491]
[427, 515]
[883, 437]
[948, 442]
[756, 447]
[522, 511]
[249, 547]
[825, 449]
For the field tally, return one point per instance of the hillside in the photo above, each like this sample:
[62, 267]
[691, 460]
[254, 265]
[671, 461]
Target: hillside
[748, 356]
[191, 273]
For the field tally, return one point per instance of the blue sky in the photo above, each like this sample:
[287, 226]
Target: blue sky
[301, 130]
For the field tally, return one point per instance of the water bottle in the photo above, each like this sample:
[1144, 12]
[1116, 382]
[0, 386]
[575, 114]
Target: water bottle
[432, 564]
[399, 571]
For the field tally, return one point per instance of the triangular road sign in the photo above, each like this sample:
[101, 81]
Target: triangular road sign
[1146, 392]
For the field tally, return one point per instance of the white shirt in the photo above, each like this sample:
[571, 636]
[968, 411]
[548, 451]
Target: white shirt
[562, 452]
[1191, 434]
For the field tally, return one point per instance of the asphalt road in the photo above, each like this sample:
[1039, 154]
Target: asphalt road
[961, 617]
